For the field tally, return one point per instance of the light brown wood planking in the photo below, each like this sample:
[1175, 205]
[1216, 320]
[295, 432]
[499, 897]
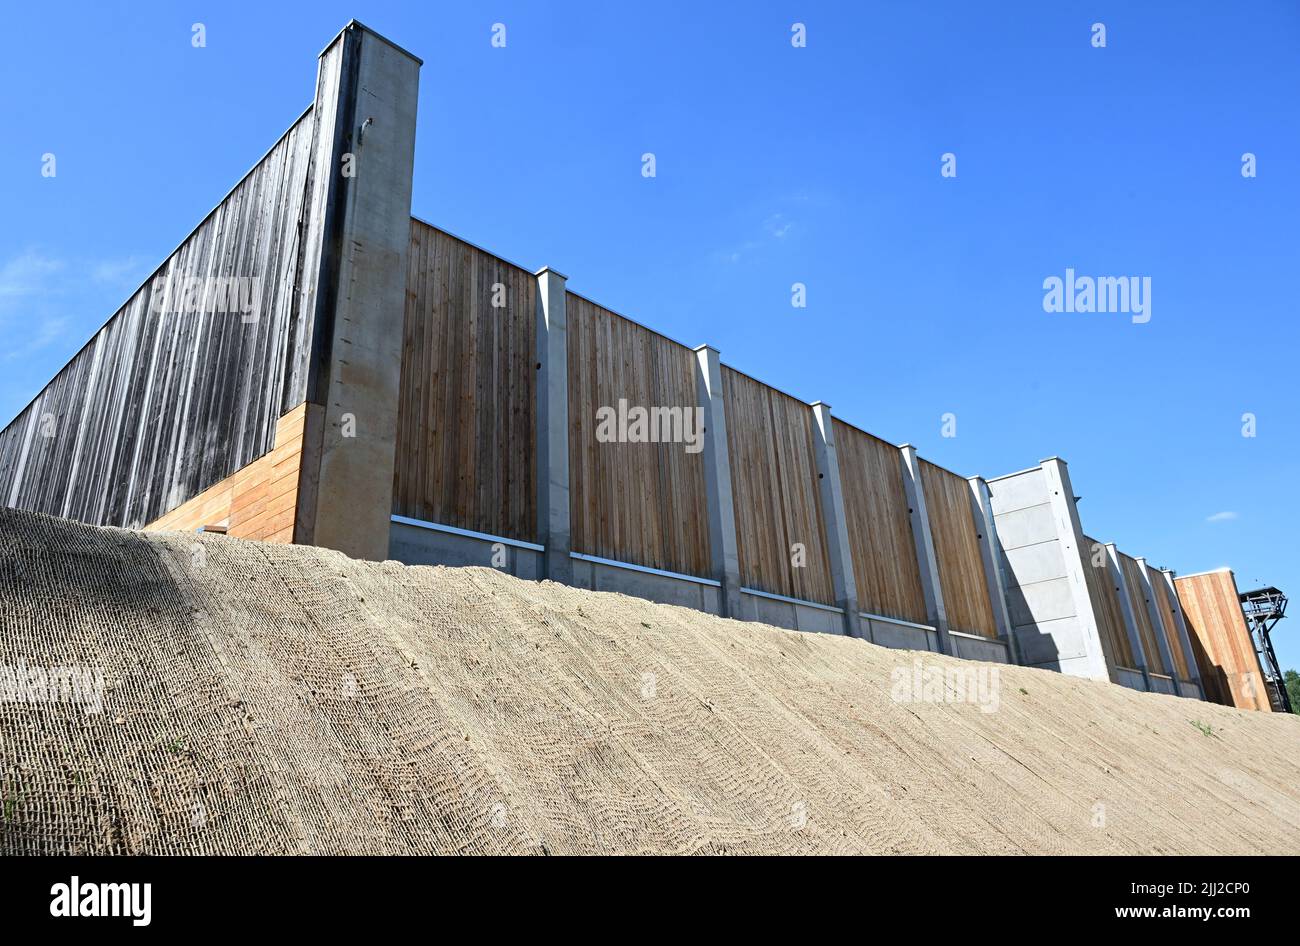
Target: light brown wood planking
[879, 526]
[1106, 605]
[467, 417]
[1141, 615]
[257, 501]
[949, 502]
[1221, 643]
[643, 503]
[1166, 612]
[775, 490]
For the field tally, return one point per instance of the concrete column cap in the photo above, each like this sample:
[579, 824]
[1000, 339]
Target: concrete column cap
[552, 271]
[355, 24]
[706, 348]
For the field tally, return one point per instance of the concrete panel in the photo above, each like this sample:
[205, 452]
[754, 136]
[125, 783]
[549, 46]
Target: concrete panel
[980, 648]
[663, 589]
[818, 620]
[413, 545]
[1026, 527]
[1132, 679]
[768, 611]
[793, 615]
[902, 636]
[1041, 602]
[1034, 563]
[1018, 491]
[1050, 643]
[1162, 684]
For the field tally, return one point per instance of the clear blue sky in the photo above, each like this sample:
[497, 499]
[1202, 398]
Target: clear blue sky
[775, 165]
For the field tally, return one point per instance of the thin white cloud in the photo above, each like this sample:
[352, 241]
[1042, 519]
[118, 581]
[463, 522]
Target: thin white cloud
[1221, 517]
[26, 274]
[774, 227]
[118, 270]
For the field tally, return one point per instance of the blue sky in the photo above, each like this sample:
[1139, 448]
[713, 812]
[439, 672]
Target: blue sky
[776, 165]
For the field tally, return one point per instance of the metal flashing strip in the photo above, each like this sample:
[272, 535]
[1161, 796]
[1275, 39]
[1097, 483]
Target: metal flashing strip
[807, 604]
[880, 617]
[468, 533]
[614, 563]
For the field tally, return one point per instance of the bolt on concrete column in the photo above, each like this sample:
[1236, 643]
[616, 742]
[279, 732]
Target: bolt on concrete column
[1060, 496]
[1115, 571]
[356, 233]
[1158, 625]
[991, 554]
[1180, 621]
[724, 556]
[833, 518]
[926, 559]
[553, 426]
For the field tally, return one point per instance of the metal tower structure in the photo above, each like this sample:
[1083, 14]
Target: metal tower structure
[1263, 608]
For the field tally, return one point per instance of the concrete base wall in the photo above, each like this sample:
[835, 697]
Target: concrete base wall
[974, 647]
[664, 589]
[889, 633]
[423, 545]
[1161, 684]
[796, 616]
[413, 545]
[1130, 678]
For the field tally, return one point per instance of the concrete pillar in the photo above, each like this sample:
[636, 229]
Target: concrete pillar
[355, 239]
[1069, 531]
[926, 559]
[991, 554]
[1115, 572]
[1180, 621]
[833, 518]
[1158, 624]
[724, 556]
[553, 426]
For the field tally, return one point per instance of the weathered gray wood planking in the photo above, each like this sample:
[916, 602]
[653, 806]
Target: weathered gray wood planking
[160, 405]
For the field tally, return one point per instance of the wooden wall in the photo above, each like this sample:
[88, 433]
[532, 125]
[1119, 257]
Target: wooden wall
[1221, 644]
[957, 549]
[643, 503]
[467, 415]
[257, 502]
[1146, 632]
[157, 408]
[774, 486]
[879, 526]
[1106, 606]
[1166, 612]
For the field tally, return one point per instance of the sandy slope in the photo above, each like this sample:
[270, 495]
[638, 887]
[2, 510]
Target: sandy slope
[274, 699]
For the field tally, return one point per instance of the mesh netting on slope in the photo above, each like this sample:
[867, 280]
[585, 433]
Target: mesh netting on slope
[273, 699]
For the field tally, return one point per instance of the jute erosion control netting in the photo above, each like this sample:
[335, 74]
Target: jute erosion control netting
[275, 699]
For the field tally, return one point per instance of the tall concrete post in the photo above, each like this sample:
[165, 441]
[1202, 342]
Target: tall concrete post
[1158, 624]
[723, 550]
[833, 518]
[1180, 621]
[354, 246]
[1115, 572]
[991, 555]
[1060, 497]
[926, 559]
[553, 426]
